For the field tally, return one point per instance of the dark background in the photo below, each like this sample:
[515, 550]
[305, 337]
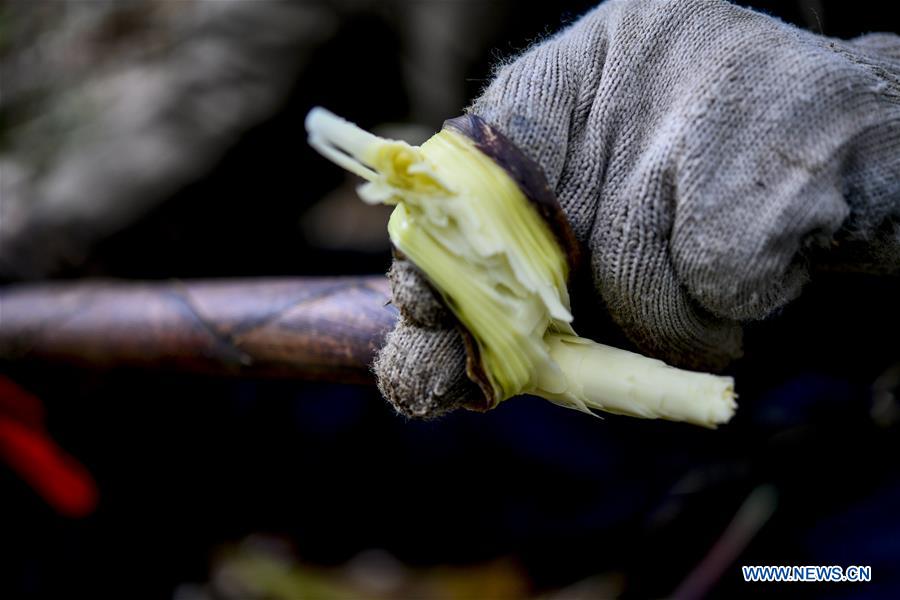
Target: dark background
[186, 464]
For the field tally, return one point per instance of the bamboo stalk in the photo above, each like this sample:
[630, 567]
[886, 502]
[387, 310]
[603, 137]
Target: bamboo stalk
[325, 329]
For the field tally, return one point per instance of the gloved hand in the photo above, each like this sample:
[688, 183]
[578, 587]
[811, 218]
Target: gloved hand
[708, 158]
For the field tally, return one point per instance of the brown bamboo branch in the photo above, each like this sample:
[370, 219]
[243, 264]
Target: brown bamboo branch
[310, 328]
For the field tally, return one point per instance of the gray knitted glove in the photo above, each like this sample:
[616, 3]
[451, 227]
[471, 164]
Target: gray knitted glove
[708, 158]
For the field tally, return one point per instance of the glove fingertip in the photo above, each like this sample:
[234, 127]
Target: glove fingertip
[422, 372]
[417, 301]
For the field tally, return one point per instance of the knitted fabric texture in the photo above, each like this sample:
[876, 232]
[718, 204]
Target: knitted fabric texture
[708, 157]
[415, 298]
[425, 332]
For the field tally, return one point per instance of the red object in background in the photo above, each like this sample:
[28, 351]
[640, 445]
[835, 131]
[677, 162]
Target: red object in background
[63, 482]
